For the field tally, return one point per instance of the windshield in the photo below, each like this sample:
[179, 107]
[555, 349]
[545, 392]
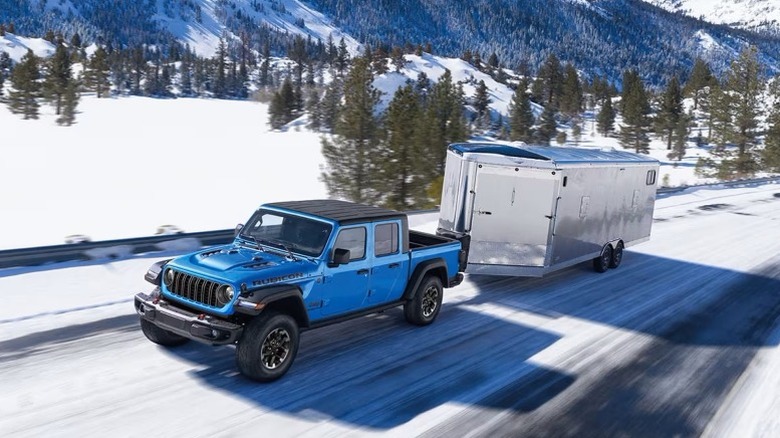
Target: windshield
[294, 233]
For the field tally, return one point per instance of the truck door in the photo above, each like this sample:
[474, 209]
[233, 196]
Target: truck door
[390, 266]
[344, 287]
[512, 216]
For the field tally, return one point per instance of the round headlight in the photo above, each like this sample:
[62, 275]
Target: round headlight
[168, 277]
[225, 294]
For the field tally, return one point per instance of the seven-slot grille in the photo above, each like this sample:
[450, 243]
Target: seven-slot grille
[195, 288]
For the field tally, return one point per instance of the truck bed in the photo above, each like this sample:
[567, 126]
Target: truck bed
[418, 239]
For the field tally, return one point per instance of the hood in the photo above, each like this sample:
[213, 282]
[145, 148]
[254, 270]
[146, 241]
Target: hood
[238, 264]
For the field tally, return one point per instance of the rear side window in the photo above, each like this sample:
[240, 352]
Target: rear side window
[386, 239]
[353, 239]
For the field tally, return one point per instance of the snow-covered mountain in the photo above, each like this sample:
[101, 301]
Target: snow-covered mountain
[198, 23]
[17, 46]
[760, 15]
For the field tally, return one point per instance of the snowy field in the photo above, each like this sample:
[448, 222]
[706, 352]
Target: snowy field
[681, 340]
[132, 164]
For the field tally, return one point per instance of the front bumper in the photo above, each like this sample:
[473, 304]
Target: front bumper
[196, 326]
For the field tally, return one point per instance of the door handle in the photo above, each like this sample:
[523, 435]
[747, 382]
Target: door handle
[393, 265]
[362, 272]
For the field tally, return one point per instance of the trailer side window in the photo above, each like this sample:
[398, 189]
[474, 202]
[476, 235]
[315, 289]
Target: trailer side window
[650, 177]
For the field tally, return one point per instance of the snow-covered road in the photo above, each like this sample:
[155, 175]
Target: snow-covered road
[681, 340]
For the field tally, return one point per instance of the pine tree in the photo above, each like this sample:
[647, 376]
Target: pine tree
[681, 132]
[670, 112]
[26, 88]
[552, 81]
[331, 103]
[397, 58]
[400, 164]
[70, 101]
[445, 107]
[576, 129]
[636, 110]
[284, 106]
[96, 76]
[771, 152]
[606, 118]
[481, 103]
[264, 78]
[548, 127]
[5, 68]
[493, 61]
[350, 170]
[220, 73]
[379, 62]
[314, 109]
[571, 92]
[744, 81]
[138, 69]
[58, 77]
[720, 119]
[521, 118]
[342, 57]
[701, 78]
[186, 74]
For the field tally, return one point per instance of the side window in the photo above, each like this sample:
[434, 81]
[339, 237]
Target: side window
[353, 239]
[386, 239]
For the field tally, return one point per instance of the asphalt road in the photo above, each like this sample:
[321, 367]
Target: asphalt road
[650, 349]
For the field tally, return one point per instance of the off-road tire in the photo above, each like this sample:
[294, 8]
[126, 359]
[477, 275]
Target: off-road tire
[160, 336]
[268, 346]
[425, 306]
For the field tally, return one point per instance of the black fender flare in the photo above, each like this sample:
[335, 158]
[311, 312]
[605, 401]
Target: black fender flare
[421, 271]
[282, 297]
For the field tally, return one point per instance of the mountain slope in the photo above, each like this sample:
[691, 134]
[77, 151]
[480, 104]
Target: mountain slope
[759, 15]
[604, 36]
[199, 23]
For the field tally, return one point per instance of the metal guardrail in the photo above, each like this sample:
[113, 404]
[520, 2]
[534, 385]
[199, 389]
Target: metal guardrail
[124, 248]
[120, 248]
[736, 183]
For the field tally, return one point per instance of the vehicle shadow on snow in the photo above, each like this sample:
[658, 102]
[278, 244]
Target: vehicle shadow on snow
[380, 372]
[680, 302]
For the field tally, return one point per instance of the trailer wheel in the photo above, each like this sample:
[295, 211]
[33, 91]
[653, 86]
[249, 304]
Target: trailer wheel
[425, 306]
[617, 256]
[268, 346]
[601, 263]
[160, 336]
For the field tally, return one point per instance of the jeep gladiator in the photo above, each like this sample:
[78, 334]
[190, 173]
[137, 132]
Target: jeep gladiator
[297, 266]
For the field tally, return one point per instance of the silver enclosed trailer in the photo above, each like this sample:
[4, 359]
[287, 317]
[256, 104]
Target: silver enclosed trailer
[528, 210]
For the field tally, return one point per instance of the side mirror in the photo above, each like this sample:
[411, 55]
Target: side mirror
[340, 257]
[239, 227]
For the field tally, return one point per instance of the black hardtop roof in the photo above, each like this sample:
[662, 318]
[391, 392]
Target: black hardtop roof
[342, 212]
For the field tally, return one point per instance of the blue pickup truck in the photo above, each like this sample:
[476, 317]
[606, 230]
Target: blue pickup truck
[297, 266]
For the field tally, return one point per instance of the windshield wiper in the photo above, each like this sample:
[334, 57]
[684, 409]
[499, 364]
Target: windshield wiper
[253, 239]
[279, 244]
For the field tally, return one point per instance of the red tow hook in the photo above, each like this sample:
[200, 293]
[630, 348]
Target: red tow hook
[202, 316]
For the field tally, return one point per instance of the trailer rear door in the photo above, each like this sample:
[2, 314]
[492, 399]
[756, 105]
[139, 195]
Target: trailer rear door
[512, 216]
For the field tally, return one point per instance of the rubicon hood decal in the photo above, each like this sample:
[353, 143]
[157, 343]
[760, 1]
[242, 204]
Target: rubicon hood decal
[271, 280]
